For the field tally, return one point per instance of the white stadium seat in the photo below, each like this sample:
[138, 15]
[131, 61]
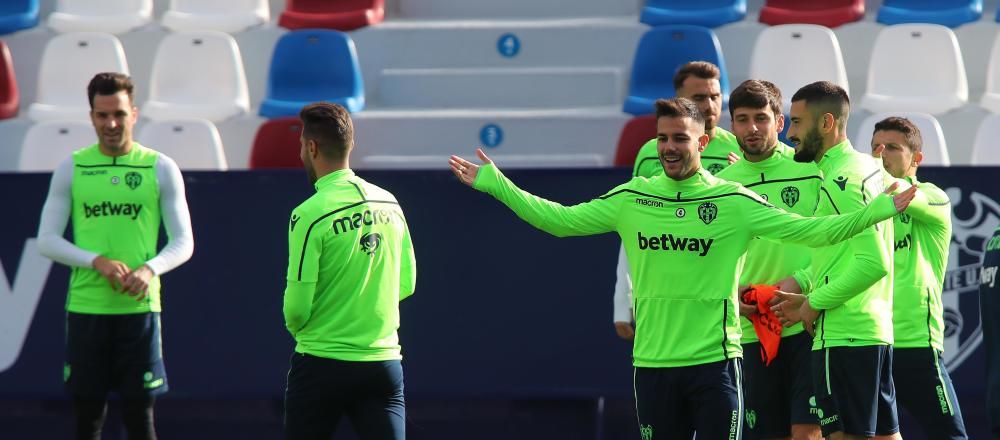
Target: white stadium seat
[68, 63]
[197, 75]
[986, 148]
[916, 68]
[935, 148]
[216, 15]
[991, 99]
[48, 143]
[793, 55]
[112, 16]
[193, 143]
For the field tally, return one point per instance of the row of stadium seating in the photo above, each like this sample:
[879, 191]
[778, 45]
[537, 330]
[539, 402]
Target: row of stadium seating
[233, 16]
[119, 16]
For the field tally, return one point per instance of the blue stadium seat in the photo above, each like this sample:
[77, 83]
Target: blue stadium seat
[708, 13]
[949, 13]
[313, 65]
[16, 15]
[661, 51]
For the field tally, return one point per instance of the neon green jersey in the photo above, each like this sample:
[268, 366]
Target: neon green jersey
[922, 235]
[792, 186]
[852, 281]
[116, 213]
[350, 262]
[714, 158]
[684, 241]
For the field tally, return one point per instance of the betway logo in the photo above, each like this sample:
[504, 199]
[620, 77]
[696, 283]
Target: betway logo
[106, 208]
[906, 242]
[668, 242]
[368, 217]
[18, 301]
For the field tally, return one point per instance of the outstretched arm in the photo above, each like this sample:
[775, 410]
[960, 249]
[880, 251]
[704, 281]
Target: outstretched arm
[594, 217]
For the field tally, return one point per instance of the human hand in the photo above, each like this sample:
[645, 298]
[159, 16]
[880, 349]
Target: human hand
[733, 158]
[625, 330]
[112, 270]
[136, 283]
[466, 171]
[787, 307]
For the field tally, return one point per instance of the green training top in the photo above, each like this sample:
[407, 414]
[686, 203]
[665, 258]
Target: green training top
[922, 235]
[116, 213]
[851, 282]
[792, 186]
[714, 158]
[684, 241]
[350, 262]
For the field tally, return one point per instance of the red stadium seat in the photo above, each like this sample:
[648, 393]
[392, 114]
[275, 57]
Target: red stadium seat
[829, 13]
[9, 96]
[635, 133]
[342, 15]
[277, 144]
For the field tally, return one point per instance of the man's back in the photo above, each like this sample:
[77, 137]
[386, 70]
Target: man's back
[352, 241]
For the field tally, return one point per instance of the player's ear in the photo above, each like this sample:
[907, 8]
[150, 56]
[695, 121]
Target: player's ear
[702, 142]
[779, 122]
[918, 157]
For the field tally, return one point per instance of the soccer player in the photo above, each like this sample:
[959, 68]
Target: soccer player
[989, 293]
[849, 309]
[699, 82]
[116, 192]
[777, 394]
[922, 236]
[685, 235]
[350, 262]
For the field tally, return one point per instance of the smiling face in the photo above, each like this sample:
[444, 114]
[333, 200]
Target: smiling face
[113, 117]
[679, 143]
[756, 130]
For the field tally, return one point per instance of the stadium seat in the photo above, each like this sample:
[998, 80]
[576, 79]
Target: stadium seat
[10, 96]
[111, 16]
[935, 148]
[194, 144]
[813, 47]
[636, 132]
[16, 15]
[313, 65]
[661, 51]
[986, 148]
[829, 13]
[216, 15]
[48, 143]
[949, 13]
[902, 78]
[277, 144]
[68, 63]
[342, 15]
[708, 13]
[198, 75]
[991, 99]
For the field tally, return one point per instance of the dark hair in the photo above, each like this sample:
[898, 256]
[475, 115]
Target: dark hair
[700, 69]
[679, 108]
[910, 131]
[755, 93]
[109, 83]
[825, 97]
[330, 126]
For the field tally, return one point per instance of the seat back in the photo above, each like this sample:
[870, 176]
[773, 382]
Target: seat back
[16, 15]
[986, 148]
[815, 50]
[48, 143]
[67, 66]
[636, 132]
[194, 144]
[950, 13]
[10, 96]
[216, 15]
[313, 65]
[276, 144]
[935, 148]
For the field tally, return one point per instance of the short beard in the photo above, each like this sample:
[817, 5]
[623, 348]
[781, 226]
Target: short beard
[809, 147]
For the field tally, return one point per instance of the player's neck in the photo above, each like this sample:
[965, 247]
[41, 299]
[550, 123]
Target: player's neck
[711, 133]
[116, 151]
[829, 143]
[324, 168]
[764, 155]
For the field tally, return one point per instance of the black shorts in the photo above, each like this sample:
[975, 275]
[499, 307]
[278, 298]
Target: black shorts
[674, 403]
[120, 353]
[928, 394]
[778, 395]
[321, 391]
[855, 393]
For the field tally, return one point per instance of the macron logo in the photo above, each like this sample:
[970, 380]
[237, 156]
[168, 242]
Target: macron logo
[105, 209]
[668, 242]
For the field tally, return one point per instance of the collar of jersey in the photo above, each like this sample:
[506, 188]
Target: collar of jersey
[698, 180]
[834, 154]
[334, 177]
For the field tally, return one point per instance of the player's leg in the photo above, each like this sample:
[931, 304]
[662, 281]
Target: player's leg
[767, 394]
[715, 393]
[379, 413]
[659, 408]
[138, 371]
[847, 385]
[796, 352]
[928, 395]
[87, 371]
[313, 406]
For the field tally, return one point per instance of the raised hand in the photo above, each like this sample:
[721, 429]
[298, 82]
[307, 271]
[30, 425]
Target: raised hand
[903, 199]
[466, 171]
